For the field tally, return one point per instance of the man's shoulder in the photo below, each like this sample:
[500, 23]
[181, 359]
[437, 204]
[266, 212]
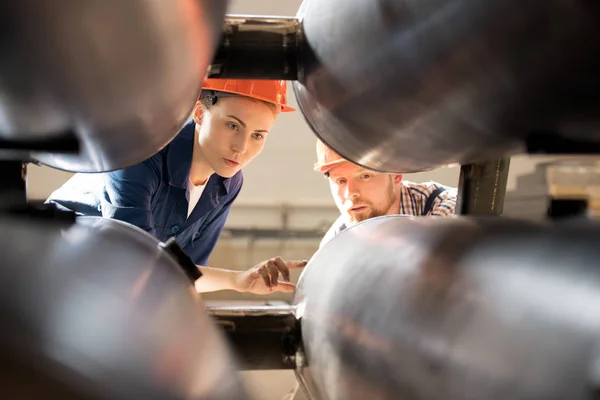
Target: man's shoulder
[431, 198]
[335, 229]
[429, 186]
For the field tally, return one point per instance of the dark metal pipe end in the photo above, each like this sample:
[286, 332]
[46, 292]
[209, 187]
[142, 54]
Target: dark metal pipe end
[264, 337]
[254, 47]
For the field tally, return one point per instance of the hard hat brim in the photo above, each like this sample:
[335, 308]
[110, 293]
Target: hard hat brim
[273, 92]
[323, 168]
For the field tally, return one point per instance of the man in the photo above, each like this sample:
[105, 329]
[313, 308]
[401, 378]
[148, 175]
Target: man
[360, 193]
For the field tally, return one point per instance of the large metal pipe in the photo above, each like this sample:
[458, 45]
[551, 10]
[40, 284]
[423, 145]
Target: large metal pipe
[100, 310]
[118, 77]
[407, 86]
[457, 308]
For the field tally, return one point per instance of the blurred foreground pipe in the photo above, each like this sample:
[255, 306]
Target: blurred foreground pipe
[98, 310]
[453, 308]
[408, 86]
[121, 76]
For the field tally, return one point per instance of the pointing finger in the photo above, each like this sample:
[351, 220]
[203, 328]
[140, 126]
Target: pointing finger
[296, 264]
[283, 268]
[273, 273]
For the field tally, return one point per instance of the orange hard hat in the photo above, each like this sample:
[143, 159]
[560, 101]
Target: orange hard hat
[327, 158]
[270, 91]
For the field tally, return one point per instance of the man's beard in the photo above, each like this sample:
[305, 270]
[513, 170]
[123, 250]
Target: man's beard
[363, 216]
[368, 214]
[373, 211]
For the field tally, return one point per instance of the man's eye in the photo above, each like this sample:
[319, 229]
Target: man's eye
[341, 181]
[366, 176]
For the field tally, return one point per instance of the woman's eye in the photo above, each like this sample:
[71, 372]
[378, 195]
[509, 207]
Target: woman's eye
[258, 136]
[232, 126]
[366, 176]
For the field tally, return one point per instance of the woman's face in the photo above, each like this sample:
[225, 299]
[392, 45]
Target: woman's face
[233, 132]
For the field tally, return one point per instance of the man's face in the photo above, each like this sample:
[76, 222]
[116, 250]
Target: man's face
[361, 194]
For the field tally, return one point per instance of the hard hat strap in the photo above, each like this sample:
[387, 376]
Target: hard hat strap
[214, 95]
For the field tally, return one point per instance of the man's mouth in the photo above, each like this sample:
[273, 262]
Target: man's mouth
[358, 208]
[231, 163]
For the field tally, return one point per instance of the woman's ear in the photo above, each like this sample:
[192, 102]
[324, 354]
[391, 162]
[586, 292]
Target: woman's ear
[198, 112]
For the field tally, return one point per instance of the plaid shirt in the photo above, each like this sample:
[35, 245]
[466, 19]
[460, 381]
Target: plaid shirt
[413, 197]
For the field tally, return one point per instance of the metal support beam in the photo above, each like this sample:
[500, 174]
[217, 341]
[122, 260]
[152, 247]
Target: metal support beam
[482, 187]
[12, 183]
[13, 196]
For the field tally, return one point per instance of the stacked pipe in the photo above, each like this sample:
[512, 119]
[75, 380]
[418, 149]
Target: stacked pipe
[97, 309]
[459, 308]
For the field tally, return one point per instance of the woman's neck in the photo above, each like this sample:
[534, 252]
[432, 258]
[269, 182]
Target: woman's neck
[200, 170]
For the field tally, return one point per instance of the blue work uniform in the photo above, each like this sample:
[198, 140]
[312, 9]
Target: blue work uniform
[152, 196]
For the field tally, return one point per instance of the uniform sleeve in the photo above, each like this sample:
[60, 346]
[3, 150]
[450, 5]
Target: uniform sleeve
[214, 227]
[79, 194]
[128, 194]
[445, 204]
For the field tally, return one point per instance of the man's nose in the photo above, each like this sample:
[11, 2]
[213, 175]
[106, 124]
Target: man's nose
[351, 190]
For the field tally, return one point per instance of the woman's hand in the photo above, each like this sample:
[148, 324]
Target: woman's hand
[264, 277]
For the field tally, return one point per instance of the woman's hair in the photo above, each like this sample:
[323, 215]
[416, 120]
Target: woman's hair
[209, 98]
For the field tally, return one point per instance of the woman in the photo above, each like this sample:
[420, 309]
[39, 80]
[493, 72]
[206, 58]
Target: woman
[186, 190]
